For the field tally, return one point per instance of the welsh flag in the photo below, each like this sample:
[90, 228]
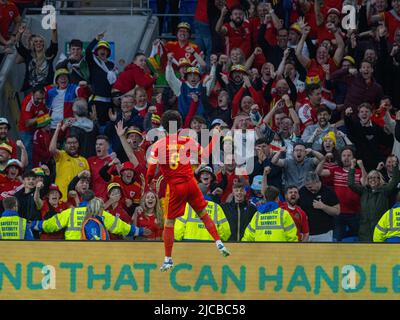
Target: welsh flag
[154, 64]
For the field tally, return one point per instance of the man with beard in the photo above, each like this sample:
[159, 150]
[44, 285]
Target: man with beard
[4, 128]
[347, 223]
[68, 161]
[77, 187]
[99, 186]
[182, 48]
[361, 86]
[75, 63]
[314, 133]
[298, 215]
[295, 170]
[237, 31]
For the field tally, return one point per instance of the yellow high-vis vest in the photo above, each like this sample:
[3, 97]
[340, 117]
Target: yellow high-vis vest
[190, 227]
[72, 220]
[272, 226]
[12, 228]
[388, 226]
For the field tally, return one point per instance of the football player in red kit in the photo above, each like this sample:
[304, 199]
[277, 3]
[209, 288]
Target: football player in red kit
[172, 153]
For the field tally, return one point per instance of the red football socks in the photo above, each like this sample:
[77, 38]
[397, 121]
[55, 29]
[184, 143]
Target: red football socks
[210, 226]
[168, 240]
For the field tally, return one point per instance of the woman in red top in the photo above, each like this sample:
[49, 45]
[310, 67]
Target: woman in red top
[49, 207]
[149, 215]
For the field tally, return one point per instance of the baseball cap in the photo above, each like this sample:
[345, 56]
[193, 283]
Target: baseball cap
[113, 185]
[257, 183]
[54, 187]
[4, 121]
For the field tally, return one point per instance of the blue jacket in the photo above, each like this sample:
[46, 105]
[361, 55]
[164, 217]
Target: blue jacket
[267, 207]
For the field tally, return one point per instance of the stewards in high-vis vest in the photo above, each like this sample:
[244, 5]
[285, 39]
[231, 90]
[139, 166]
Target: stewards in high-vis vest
[388, 227]
[12, 226]
[190, 227]
[73, 218]
[271, 223]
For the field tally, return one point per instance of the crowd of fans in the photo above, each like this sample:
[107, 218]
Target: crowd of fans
[320, 104]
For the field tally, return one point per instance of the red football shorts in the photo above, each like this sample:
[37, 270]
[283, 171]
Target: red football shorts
[179, 194]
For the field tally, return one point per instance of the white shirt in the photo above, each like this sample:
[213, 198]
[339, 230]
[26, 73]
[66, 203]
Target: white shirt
[57, 108]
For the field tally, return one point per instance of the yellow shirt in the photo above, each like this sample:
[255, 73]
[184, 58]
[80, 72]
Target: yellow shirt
[67, 168]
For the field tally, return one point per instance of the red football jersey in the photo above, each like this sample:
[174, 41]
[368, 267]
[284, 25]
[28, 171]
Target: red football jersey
[150, 222]
[99, 186]
[239, 38]
[392, 22]
[299, 217]
[131, 191]
[174, 154]
[8, 12]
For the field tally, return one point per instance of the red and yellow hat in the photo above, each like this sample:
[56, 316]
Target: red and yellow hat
[113, 185]
[192, 70]
[295, 27]
[133, 130]
[183, 62]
